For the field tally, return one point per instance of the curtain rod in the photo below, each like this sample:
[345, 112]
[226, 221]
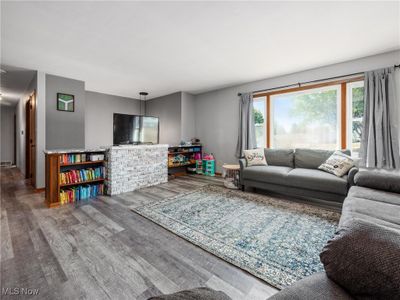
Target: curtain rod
[311, 81]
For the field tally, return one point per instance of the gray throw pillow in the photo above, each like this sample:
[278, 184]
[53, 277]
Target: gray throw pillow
[386, 181]
[364, 258]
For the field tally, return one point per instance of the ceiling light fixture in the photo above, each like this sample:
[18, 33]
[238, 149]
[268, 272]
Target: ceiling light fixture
[142, 97]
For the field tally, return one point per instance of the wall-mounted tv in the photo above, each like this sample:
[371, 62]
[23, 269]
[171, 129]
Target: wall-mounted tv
[134, 129]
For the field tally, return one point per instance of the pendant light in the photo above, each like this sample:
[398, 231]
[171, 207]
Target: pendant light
[142, 97]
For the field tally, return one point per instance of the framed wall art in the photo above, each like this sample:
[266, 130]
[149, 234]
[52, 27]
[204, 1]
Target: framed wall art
[65, 102]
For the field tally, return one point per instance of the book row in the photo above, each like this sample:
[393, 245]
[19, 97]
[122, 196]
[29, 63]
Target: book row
[79, 193]
[81, 157]
[81, 175]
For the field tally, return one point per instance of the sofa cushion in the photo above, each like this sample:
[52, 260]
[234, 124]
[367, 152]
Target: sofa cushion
[364, 259]
[270, 174]
[315, 287]
[386, 181]
[312, 158]
[369, 210]
[317, 180]
[372, 194]
[280, 157]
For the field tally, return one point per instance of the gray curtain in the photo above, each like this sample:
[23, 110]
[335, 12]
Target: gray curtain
[380, 137]
[247, 132]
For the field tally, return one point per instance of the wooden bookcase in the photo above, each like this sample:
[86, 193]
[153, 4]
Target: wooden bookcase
[55, 166]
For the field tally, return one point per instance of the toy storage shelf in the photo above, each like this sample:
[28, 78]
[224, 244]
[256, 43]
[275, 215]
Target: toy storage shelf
[56, 165]
[182, 165]
[181, 157]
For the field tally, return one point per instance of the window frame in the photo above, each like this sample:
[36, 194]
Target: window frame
[349, 116]
[343, 107]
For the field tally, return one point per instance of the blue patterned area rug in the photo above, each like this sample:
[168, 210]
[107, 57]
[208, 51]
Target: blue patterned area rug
[276, 240]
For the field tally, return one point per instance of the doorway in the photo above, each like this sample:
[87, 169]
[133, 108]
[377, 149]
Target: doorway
[30, 139]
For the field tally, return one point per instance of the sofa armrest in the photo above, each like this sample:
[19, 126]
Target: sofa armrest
[314, 287]
[243, 165]
[350, 176]
[382, 180]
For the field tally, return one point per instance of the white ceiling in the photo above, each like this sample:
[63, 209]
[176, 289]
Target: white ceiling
[122, 48]
[13, 83]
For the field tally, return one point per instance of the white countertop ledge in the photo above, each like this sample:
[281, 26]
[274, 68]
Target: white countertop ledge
[122, 147]
[66, 151]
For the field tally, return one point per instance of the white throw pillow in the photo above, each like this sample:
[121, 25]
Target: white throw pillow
[338, 164]
[255, 157]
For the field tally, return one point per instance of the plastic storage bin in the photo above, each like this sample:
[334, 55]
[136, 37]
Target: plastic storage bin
[209, 167]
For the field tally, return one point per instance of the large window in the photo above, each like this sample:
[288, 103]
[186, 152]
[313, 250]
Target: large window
[260, 118]
[324, 116]
[306, 119]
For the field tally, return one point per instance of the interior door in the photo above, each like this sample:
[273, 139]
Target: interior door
[28, 168]
[31, 139]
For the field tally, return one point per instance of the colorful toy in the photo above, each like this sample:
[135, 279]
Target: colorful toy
[199, 166]
[197, 156]
[208, 157]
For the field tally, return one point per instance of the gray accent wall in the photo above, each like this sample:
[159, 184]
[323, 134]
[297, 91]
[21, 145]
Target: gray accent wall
[188, 129]
[99, 116]
[7, 133]
[168, 110]
[217, 112]
[64, 129]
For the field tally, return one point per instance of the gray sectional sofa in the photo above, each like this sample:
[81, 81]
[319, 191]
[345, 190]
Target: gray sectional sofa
[295, 172]
[362, 261]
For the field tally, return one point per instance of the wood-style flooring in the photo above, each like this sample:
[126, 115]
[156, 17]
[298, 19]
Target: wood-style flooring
[100, 249]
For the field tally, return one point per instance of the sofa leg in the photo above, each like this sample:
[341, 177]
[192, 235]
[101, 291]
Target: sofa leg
[243, 188]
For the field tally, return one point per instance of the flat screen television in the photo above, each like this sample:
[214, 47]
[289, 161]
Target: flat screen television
[134, 129]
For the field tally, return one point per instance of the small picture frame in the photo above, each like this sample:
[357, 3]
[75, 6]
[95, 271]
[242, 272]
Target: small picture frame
[65, 102]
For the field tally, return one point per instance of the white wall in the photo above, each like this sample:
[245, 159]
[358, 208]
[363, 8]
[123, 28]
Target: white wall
[20, 136]
[99, 116]
[217, 112]
[7, 133]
